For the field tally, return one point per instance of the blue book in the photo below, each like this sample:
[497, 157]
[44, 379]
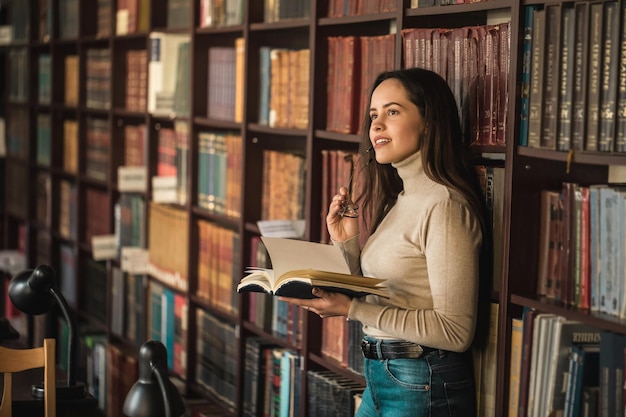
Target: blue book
[594, 245]
[526, 67]
[167, 324]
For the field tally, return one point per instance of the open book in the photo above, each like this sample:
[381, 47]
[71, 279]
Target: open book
[299, 265]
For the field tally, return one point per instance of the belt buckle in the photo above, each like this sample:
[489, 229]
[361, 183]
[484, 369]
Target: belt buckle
[420, 351]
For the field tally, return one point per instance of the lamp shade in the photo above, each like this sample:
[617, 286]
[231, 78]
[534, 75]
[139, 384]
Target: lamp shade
[30, 290]
[35, 292]
[153, 395]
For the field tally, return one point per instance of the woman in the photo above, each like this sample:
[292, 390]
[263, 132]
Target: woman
[428, 240]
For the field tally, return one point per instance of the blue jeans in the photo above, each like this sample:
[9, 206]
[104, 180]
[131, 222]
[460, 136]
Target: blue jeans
[439, 384]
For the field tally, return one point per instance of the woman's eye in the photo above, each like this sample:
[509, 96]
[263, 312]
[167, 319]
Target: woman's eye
[391, 112]
[373, 116]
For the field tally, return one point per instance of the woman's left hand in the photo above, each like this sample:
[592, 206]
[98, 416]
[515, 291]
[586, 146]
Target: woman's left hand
[327, 304]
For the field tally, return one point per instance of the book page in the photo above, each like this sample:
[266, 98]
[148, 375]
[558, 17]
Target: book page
[290, 254]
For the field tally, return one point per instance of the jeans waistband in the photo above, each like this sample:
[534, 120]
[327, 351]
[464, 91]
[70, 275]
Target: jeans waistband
[381, 349]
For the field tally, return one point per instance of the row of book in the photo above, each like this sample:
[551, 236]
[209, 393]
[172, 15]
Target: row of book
[564, 367]
[225, 81]
[220, 170]
[168, 74]
[474, 60]
[108, 371]
[353, 63]
[220, 13]
[133, 16]
[97, 148]
[340, 8]
[277, 10]
[98, 80]
[167, 258]
[273, 382]
[218, 266]
[581, 252]
[172, 155]
[570, 77]
[216, 357]
[283, 186]
[283, 320]
[284, 87]
[136, 97]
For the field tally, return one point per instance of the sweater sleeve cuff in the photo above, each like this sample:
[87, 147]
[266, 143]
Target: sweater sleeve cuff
[351, 251]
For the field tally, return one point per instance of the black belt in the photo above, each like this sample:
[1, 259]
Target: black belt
[394, 350]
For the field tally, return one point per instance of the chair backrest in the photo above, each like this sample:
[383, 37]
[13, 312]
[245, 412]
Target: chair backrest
[18, 360]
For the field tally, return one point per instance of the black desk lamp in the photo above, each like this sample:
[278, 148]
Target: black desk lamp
[153, 395]
[35, 292]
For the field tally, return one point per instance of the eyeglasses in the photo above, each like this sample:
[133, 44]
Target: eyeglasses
[348, 207]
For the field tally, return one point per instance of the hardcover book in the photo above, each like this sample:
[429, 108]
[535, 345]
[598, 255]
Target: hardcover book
[301, 265]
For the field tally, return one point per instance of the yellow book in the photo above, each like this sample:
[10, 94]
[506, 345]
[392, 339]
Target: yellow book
[517, 330]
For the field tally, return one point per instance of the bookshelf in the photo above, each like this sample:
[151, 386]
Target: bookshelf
[79, 104]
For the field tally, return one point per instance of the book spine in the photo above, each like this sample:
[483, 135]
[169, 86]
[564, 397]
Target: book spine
[609, 67]
[593, 85]
[568, 21]
[620, 139]
[536, 80]
[551, 76]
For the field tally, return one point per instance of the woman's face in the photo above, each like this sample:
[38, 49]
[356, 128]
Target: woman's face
[397, 124]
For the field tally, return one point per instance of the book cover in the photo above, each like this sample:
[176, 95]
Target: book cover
[620, 139]
[568, 22]
[611, 368]
[579, 79]
[536, 79]
[608, 85]
[594, 74]
[299, 265]
[517, 332]
[552, 45]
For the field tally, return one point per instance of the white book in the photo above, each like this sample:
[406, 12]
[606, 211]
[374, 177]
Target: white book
[162, 66]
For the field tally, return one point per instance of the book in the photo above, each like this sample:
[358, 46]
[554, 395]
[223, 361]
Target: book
[566, 334]
[579, 78]
[564, 122]
[594, 72]
[163, 58]
[609, 76]
[299, 265]
[620, 138]
[536, 80]
[552, 45]
[526, 66]
[528, 321]
[517, 333]
[611, 366]
[582, 379]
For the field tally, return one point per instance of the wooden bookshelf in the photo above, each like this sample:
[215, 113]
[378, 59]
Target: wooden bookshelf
[100, 99]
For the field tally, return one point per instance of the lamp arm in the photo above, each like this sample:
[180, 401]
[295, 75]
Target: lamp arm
[72, 342]
[165, 389]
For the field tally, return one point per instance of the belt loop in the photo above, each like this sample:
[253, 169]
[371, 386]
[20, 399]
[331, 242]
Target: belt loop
[379, 350]
[442, 353]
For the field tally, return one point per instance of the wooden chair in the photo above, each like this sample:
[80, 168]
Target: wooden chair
[18, 360]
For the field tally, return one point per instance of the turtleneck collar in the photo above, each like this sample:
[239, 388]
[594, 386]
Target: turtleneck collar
[412, 173]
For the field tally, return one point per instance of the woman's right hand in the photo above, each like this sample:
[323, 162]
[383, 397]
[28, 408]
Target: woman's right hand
[340, 228]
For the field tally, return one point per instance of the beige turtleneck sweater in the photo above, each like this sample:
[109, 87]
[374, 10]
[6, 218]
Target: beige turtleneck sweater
[427, 248]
